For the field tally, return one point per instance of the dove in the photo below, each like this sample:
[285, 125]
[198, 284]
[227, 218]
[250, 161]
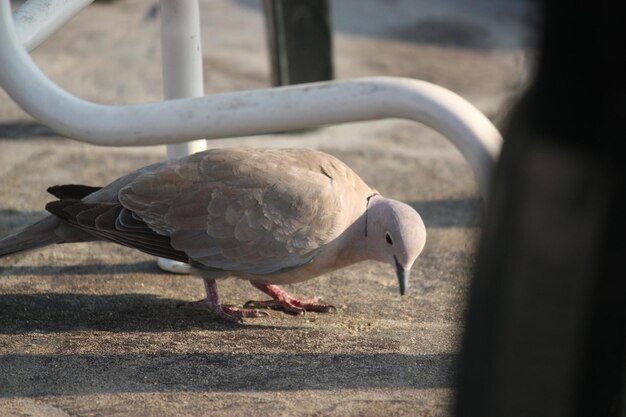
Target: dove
[267, 216]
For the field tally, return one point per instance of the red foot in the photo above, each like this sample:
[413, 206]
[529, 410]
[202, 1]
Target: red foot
[283, 301]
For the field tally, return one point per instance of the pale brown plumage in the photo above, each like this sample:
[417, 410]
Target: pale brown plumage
[258, 211]
[269, 216]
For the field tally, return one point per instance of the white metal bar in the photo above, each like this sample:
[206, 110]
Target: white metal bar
[182, 60]
[249, 112]
[36, 20]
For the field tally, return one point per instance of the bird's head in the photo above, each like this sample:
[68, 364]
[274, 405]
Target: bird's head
[395, 234]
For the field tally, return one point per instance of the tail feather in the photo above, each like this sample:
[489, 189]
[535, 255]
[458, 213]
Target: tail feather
[72, 191]
[35, 236]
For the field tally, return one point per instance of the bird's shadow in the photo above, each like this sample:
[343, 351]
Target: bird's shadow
[67, 312]
[132, 312]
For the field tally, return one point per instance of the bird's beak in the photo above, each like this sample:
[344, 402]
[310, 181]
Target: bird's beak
[403, 276]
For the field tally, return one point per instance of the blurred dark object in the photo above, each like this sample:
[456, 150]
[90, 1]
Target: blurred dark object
[547, 316]
[300, 40]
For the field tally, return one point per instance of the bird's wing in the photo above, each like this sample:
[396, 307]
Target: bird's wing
[247, 210]
[114, 223]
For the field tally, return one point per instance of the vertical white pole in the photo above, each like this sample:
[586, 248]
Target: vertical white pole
[182, 74]
[182, 59]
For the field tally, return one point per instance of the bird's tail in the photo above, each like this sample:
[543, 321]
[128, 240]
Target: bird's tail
[34, 236]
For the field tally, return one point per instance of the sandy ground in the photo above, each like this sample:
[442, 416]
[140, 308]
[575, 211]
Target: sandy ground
[93, 329]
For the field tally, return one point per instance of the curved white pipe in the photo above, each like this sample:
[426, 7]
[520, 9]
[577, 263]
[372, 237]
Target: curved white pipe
[248, 112]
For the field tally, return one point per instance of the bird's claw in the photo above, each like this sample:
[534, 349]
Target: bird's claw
[330, 308]
[234, 314]
[276, 305]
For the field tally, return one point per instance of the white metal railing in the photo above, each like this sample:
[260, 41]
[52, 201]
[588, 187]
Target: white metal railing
[247, 112]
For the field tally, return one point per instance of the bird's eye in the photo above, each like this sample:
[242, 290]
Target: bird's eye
[388, 238]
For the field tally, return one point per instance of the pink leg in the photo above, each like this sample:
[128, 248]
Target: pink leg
[213, 302]
[283, 301]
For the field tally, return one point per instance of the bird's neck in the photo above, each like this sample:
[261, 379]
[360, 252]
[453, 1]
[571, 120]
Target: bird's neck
[352, 246]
